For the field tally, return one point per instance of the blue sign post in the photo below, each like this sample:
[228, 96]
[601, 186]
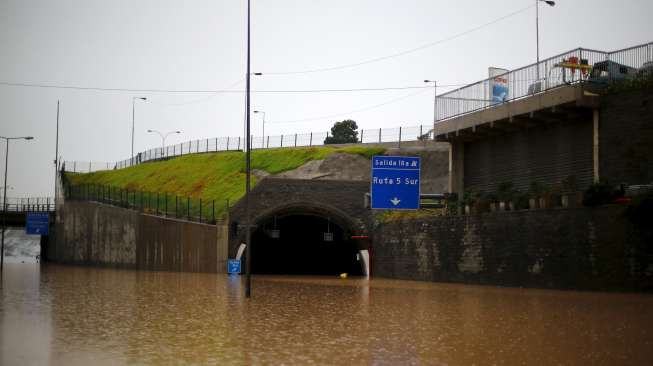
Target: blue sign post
[233, 266]
[395, 182]
[37, 223]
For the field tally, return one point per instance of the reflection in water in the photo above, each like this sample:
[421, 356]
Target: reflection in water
[78, 316]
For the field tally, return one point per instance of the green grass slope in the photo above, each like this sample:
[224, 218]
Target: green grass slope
[213, 176]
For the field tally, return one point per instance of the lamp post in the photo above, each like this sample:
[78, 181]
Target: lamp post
[263, 131]
[248, 233]
[435, 100]
[163, 138]
[537, 31]
[133, 114]
[4, 198]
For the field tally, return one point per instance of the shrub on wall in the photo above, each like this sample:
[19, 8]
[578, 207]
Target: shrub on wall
[598, 194]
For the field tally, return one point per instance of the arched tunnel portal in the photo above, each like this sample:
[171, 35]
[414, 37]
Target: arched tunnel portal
[306, 239]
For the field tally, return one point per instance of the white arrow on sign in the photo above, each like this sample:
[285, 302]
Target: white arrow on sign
[395, 201]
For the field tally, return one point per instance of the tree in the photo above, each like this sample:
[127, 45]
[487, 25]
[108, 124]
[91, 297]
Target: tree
[344, 132]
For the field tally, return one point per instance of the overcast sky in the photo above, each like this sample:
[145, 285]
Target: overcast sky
[198, 45]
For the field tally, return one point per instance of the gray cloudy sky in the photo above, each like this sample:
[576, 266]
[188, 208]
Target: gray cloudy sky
[200, 45]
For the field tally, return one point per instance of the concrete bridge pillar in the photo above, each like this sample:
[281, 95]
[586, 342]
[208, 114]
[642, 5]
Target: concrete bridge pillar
[595, 145]
[457, 167]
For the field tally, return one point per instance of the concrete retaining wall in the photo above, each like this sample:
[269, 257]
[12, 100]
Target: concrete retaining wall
[572, 248]
[626, 137]
[96, 234]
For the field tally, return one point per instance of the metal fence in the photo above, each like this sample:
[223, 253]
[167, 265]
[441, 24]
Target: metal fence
[29, 204]
[579, 65]
[377, 135]
[154, 203]
[86, 166]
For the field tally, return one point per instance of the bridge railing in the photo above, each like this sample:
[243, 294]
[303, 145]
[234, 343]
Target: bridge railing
[576, 66]
[28, 204]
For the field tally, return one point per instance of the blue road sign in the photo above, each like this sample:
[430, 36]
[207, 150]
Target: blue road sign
[37, 223]
[395, 182]
[233, 266]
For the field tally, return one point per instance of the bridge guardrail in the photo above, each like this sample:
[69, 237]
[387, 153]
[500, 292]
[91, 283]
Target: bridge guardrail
[572, 67]
[28, 204]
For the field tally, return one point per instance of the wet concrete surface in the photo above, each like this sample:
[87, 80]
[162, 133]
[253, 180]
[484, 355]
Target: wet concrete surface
[59, 315]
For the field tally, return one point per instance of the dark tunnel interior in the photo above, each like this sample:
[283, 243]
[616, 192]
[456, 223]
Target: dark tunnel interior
[299, 244]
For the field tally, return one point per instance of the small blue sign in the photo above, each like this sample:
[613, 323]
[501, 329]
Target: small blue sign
[395, 182]
[233, 266]
[37, 223]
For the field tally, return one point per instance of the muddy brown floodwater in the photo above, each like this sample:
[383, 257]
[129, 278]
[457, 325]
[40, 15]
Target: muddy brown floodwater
[58, 315]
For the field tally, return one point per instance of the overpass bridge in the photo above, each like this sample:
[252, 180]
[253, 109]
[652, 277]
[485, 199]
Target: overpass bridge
[554, 122]
[16, 209]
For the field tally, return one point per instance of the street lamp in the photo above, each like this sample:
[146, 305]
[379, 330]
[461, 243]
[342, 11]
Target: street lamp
[263, 132]
[435, 100]
[133, 113]
[163, 138]
[537, 31]
[4, 199]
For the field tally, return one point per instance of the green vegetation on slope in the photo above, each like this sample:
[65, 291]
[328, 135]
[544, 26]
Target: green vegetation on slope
[213, 176]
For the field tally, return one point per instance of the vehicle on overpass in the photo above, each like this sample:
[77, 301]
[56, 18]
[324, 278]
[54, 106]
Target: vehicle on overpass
[604, 72]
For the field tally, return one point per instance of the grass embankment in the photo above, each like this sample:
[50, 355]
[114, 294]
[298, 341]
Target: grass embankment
[218, 177]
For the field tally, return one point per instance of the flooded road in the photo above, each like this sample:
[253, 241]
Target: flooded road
[57, 315]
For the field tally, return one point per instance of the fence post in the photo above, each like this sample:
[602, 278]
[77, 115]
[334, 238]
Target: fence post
[198, 146]
[267, 144]
[207, 145]
[227, 143]
[310, 143]
[362, 131]
[295, 140]
[200, 210]
[400, 137]
[74, 166]
[238, 148]
[89, 166]
[216, 144]
[281, 140]
[379, 135]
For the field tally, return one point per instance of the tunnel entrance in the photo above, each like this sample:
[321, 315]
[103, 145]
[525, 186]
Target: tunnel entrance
[303, 244]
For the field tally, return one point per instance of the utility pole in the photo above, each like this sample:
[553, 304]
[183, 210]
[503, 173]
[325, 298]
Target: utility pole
[133, 115]
[435, 103]
[4, 199]
[248, 234]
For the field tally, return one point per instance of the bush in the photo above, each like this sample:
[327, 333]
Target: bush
[598, 194]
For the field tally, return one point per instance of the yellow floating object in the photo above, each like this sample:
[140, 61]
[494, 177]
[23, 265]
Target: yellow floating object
[343, 275]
